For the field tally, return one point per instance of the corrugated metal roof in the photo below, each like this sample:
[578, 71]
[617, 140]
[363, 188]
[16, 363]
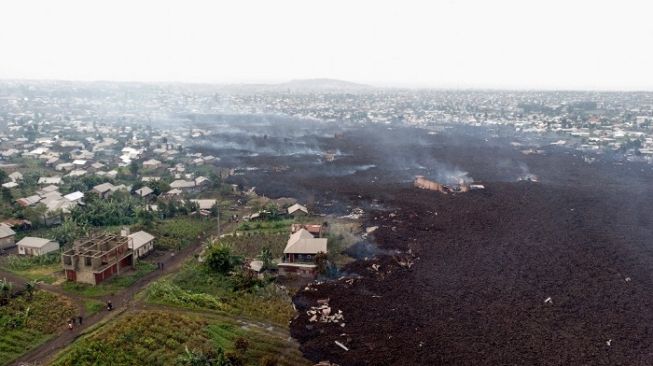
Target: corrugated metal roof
[303, 242]
[33, 242]
[139, 239]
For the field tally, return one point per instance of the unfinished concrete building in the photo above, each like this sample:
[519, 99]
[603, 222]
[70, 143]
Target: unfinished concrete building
[96, 258]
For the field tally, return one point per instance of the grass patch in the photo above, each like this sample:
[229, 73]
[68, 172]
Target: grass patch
[180, 232]
[160, 337]
[39, 268]
[111, 285]
[270, 226]
[25, 323]
[92, 306]
[195, 288]
[249, 244]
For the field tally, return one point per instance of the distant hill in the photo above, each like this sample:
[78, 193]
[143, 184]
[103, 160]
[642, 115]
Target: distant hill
[302, 85]
[322, 84]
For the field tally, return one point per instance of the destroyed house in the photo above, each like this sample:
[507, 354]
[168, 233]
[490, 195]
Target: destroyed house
[97, 258]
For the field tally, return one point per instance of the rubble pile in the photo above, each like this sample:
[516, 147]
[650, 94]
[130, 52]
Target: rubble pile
[322, 313]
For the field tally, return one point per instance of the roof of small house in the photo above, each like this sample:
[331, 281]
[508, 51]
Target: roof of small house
[303, 242]
[28, 201]
[33, 242]
[5, 231]
[144, 191]
[201, 180]
[59, 204]
[182, 184]
[104, 187]
[77, 173]
[140, 238]
[49, 180]
[74, 196]
[16, 175]
[297, 207]
[47, 189]
[205, 204]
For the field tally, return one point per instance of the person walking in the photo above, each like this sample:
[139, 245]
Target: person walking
[109, 305]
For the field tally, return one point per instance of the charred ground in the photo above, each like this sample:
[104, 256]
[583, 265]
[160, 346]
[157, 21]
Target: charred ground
[484, 261]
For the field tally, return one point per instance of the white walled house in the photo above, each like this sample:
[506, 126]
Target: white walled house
[36, 246]
[7, 237]
[141, 243]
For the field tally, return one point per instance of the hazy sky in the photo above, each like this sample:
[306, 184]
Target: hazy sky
[457, 43]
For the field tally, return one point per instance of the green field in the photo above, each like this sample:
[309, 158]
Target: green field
[180, 232]
[25, 323]
[42, 268]
[195, 288]
[250, 244]
[161, 337]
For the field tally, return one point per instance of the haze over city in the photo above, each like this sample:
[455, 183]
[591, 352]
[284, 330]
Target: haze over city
[304, 183]
[441, 44]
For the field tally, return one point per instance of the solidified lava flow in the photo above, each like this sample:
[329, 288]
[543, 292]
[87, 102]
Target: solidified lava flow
[557, 272]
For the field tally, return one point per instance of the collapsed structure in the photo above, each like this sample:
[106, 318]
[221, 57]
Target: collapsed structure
[96, 258]
[461, 187]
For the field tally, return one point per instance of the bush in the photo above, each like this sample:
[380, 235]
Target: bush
[23, 263]
[168, 293]
[220, 260]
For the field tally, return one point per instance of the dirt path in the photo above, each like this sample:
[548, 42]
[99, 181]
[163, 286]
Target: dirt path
[121, 302]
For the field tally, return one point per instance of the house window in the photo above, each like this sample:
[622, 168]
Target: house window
[87, 261]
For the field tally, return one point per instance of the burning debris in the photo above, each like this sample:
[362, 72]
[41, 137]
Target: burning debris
[460, 187]
[528, 178]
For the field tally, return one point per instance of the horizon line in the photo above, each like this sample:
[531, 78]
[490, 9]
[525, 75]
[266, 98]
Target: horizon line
[362, 85]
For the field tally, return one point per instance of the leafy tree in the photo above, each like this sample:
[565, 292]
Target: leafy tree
[215, 210]
[220, 259]
[66, 233]
[244, 281]
[3, 176]
[6, 195]
[273, 212]
[35, 214]
[133, 168]
[321, 260]
[158, 187]
[119, 209]
[146, 217]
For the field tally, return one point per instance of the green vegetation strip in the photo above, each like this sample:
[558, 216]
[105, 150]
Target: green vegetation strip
[158, 337]
[26, 322]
